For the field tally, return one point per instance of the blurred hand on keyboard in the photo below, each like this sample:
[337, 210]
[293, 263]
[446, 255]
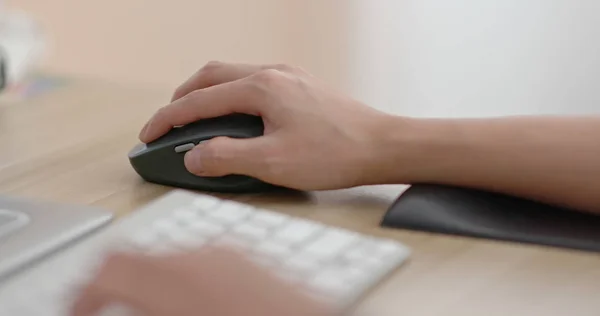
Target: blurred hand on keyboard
[315, 138]
[212, 281]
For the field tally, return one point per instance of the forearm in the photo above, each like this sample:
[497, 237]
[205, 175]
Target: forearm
[550, 159]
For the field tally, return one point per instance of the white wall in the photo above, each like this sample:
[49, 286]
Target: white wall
[477, 58]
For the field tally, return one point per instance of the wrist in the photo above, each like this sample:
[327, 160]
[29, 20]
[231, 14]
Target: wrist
[412, 150]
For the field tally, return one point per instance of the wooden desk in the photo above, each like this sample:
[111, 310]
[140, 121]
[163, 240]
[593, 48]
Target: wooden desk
[71, 146]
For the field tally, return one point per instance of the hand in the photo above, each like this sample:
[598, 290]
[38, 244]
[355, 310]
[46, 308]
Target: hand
[208, 282]
[314, 138]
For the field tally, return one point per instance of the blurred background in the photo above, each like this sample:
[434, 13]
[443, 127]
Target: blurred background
[413, 57]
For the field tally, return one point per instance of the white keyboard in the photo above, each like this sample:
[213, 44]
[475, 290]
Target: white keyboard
[326, 261]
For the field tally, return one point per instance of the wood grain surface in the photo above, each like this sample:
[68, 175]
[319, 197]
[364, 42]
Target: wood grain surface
[71, 145]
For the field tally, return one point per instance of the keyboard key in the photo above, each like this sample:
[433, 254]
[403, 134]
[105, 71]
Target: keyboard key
[206, 203]
[297, 231]
[331, 243]
[358, 253]
[388, 248]
[206, 228]
[375, 252]
[250, 231]
[144, 238]
[230, 213]
[302, 264]
[269, 219]
[165, 225]
[354, 274]
[232, 241]
[330, 281]
[272, 249]
[185, 214]
[187, 240]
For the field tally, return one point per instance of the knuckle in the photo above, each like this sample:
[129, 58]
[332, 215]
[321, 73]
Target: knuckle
[162, 111]
[291, 69]
[191, 97]
[203, 74]
[265, 83]
[194, 94]
[209, 69]
[211, 66]
[270, 77]
[179, 92]
[284, 67]
[300, 70]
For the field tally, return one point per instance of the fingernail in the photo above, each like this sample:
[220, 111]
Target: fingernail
[192, 160]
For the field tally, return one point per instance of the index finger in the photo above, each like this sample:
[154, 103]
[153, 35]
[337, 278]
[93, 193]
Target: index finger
[239, 96]
[215, 73]
[212, 74]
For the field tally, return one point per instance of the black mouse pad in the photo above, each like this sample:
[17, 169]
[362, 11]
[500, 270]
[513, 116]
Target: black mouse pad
[473, 213]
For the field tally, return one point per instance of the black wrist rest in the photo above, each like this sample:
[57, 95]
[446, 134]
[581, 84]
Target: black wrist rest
[481, 214]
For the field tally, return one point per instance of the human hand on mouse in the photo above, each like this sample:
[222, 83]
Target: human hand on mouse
[211, 281]
[314, 137]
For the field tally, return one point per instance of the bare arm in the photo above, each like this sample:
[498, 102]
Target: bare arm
[316, 138]
[549, 159]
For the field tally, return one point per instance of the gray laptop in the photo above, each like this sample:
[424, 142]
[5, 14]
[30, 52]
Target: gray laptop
[31, 230]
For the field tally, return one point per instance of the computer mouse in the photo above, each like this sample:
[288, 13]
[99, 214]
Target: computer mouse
[162, 160]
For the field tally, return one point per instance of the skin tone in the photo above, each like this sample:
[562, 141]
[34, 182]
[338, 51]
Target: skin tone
[215, 281]
[317, 138]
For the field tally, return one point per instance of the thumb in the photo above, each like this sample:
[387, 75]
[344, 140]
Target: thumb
[222, 156]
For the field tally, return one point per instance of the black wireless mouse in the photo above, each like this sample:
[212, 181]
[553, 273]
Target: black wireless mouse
[161, 161]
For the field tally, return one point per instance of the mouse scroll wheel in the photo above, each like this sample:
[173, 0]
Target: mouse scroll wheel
[183, 148]
[186, 147]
